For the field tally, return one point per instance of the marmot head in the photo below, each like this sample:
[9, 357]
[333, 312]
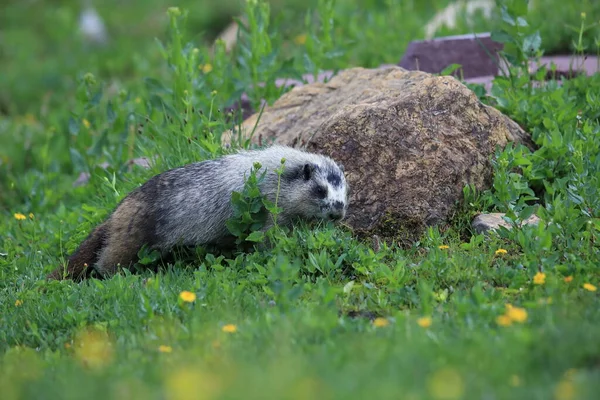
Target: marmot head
[319, 189]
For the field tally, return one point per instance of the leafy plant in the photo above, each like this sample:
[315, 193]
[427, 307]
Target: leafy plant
[249, 208]
[521, 43]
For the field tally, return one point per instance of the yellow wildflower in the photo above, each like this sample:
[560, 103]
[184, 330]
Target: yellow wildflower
[380, 322]
[590, 287]
[564, 390]
[31, 216]
[515, 380]
[206, 68]
[188, 297]
[424, 322]
[164, 349]
[190, 382]
[18, 303]
[539, 278]
[516, 314]
[568, 279]
[503, 320]
[229, 328]
[443, 247]
[300, 39]
[19, 216]
[93, 348]
[500, 252]
[446, 384]
[86, 123]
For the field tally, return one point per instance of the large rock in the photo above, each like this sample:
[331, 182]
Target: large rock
[410, 141]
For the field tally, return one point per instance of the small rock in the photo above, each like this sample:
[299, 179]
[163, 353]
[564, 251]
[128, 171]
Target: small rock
[486, 222]
[92, 25]
[477, 55]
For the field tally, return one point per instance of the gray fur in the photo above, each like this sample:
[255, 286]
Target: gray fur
[196, 202]
[189, 205]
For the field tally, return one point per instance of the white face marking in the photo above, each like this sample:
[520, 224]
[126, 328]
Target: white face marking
[336, 194]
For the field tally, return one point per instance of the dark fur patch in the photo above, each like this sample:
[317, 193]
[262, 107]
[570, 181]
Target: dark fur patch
[144, 218]
[291, 174]
[334, 179]
[319, 191]
[304, 172]
[308, 171]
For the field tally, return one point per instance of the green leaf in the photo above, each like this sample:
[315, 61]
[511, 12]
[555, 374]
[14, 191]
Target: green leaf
[522, 22]
[501, 36]
[348, 287]
[450, 69]
[526, 212]
[506, 17]
[233, 227]
[96, 99]
[309, 65]
[73, 126]
[77, 160]
[154, 86]
[256, 236]
[532, 43]
[110, 113]
[97, 147]
[162, 49]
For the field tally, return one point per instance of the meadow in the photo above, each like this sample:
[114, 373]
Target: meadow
[319, 313]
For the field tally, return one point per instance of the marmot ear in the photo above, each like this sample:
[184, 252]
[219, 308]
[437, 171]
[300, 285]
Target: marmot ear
[307, 171]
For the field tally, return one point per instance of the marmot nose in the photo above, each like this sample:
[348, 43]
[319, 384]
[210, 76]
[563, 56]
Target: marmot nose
[336, 215]
[337, 211]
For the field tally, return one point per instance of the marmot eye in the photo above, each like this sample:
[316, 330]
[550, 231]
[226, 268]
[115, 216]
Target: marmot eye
[320, 191]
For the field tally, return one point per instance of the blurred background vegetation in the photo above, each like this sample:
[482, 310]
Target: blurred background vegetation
[42, 51]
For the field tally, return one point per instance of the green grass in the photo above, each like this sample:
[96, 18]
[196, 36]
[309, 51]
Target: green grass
[434, 320]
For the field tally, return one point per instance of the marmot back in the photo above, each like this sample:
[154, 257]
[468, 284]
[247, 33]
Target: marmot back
[189, 206]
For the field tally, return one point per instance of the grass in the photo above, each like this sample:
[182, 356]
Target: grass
[455, 316]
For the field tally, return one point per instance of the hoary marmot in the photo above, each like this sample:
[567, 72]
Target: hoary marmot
[189, 206]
